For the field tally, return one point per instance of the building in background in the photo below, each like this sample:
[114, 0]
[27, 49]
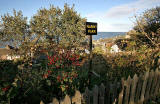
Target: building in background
[115, 49]
[6, 53]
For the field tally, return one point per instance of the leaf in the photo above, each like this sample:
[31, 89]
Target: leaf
[48, 82]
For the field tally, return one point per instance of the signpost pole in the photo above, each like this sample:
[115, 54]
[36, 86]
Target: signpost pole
[91, 29]
[90, 63]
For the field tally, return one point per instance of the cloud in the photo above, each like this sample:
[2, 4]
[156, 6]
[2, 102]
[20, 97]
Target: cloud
[95, 15]
[118, 18]
[117, 27]
[122, 26]
[120, 11]
[92, 15]
[130, 8]
[125, 9]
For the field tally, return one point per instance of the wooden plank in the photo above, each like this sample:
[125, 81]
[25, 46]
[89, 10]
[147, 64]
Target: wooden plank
[107, 95]
[133, 89]
[41, 102]
[158, 84]
[118, 85]
[120, 98]
[95, 95]
[66, 100]
[86, 96]
[138, 89]
[144, 87]
[114, 92]
[115, 87]
[149, 84]
[111, 91]
[76, 99]
[91, 97]
[154, 82]
[127, 92]
[83, 100]
[55, 101]
[101, 94]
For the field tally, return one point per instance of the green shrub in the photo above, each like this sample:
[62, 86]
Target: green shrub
[55, 77]
[115, 66]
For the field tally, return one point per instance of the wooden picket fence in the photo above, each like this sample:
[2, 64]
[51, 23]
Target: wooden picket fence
[134, 90]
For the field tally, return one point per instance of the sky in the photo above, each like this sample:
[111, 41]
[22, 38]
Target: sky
[111, 15]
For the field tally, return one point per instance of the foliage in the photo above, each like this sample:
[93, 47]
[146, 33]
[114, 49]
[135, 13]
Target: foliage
[57, 76]
[58, 26]
[47, 24]
[146, 29]
[8, 71]
[35, 79]
[62, 73]
[14, 28]
[73, 27]
[63, 27]
[115, 66]
[146, 32]
[98, 50]
[54, 34]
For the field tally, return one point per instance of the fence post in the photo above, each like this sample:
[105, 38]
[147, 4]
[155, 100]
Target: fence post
[95, 95]
[158, 83]
[144, 87]
[127, 92]
[138, 89]
[55, 101]
[154, 82]
[120, 98]
[101, 94]
[107, 95]
[133, 89]
[66, 100]
[77, 98]
[86, 96]
[149, 84]
[115, 87]
[41, 102]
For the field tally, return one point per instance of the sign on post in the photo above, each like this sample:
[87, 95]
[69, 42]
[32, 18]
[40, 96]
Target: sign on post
[91, 28]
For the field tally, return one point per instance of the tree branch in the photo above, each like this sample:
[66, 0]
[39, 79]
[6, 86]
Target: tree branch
[143, 32]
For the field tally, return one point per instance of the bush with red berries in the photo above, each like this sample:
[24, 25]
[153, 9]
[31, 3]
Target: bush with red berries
[59, 74]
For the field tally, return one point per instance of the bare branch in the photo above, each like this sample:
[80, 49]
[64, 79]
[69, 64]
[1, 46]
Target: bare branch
[143, 32]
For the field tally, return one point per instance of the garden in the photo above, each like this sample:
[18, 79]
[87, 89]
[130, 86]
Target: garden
[52, 64]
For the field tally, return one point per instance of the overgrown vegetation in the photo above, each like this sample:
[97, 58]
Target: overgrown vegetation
[57, 35]
[146, 32]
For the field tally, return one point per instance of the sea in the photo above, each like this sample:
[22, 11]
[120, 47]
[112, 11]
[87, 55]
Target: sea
[102, 35]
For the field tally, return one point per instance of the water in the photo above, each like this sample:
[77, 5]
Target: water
[100, 35]
[107, 35]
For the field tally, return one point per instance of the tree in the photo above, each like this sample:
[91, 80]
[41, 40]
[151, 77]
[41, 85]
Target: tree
[147, 27]
[73, 27]
[49, 27]
[14, 28]
[56, 26]
[46, 24]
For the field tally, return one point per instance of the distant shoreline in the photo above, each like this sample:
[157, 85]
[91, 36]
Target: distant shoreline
[104, 35]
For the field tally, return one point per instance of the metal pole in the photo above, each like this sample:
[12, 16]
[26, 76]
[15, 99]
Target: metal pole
[90, 63]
